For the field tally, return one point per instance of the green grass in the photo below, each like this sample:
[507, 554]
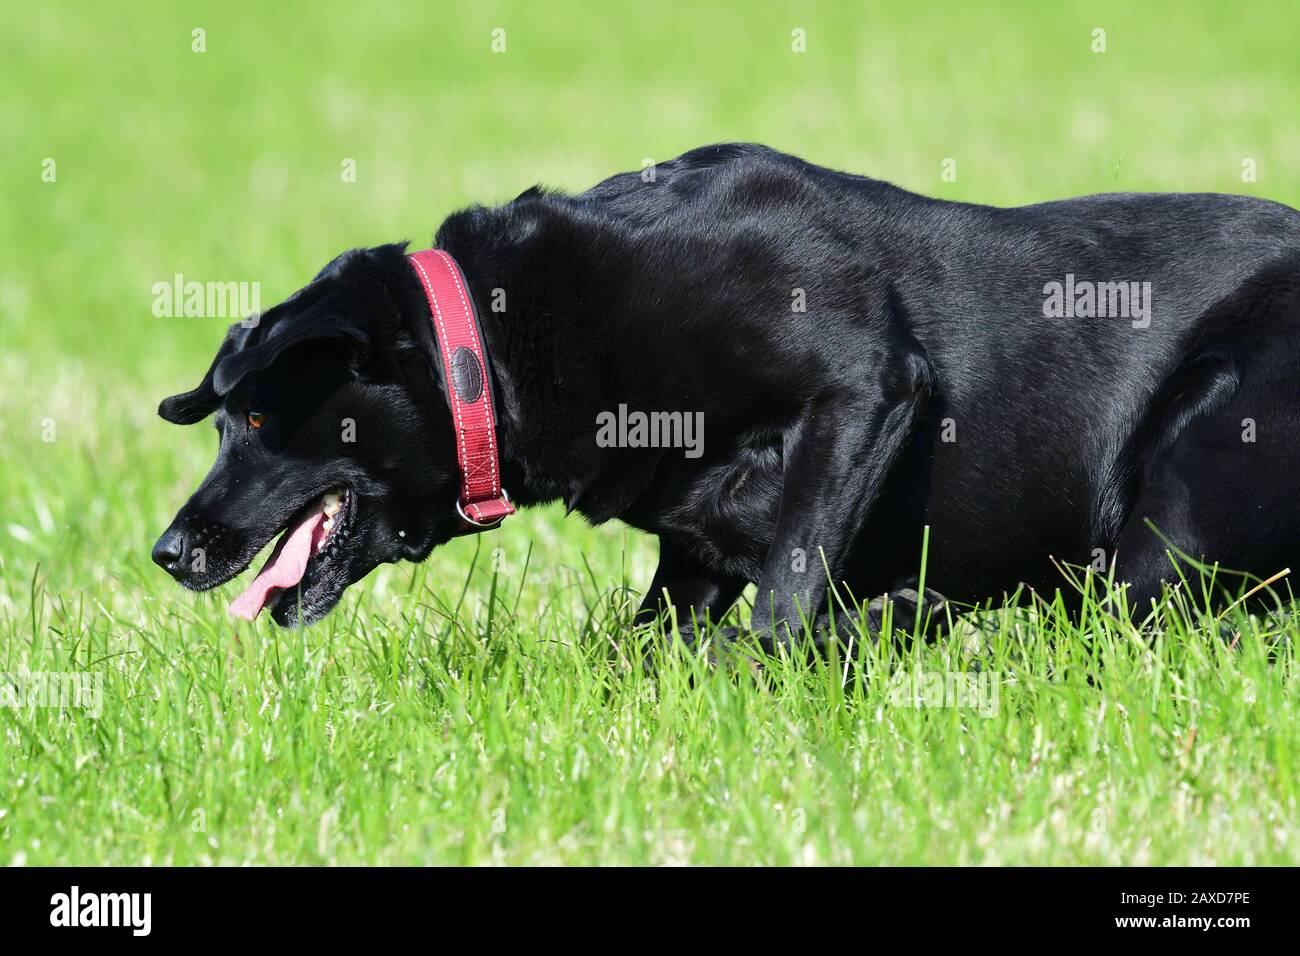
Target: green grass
[482, 711]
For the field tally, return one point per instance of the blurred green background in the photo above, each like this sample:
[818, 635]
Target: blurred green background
[226, 165]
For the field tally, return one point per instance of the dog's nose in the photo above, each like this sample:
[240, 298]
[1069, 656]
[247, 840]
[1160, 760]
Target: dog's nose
[169, 550]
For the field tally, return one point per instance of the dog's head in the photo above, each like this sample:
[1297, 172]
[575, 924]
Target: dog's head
[332, 429]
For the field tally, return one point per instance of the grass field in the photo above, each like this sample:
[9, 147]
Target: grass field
[478, 708]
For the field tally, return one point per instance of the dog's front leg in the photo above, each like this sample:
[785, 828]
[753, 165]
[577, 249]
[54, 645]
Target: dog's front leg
[684, 584]
[836, 459]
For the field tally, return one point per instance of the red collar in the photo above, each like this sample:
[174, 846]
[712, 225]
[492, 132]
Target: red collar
[483, 503]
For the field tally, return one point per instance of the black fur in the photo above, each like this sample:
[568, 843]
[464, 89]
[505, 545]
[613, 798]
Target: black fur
[923, 385]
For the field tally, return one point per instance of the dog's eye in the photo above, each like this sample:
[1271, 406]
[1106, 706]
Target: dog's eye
[256, 419]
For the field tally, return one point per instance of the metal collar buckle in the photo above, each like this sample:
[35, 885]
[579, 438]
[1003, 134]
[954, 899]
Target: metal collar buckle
[481, 525]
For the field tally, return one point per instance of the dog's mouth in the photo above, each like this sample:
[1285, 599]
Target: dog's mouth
[307, 545]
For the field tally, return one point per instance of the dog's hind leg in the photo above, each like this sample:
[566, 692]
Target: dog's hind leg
[1213, 465]
[1222, 490]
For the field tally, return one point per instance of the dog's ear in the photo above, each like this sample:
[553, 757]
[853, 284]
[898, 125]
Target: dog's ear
[201, 401]
[333, 315]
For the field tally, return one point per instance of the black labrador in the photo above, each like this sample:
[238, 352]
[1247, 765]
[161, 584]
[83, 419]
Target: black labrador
[1040, 386]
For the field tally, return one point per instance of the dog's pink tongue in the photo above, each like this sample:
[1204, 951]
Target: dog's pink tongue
[284, 569]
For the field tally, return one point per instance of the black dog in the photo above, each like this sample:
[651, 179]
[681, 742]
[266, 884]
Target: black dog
[1032, 383]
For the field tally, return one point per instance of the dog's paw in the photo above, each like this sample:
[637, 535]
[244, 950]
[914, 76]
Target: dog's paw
[899, 615]
[906, 614]
[719, 646]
